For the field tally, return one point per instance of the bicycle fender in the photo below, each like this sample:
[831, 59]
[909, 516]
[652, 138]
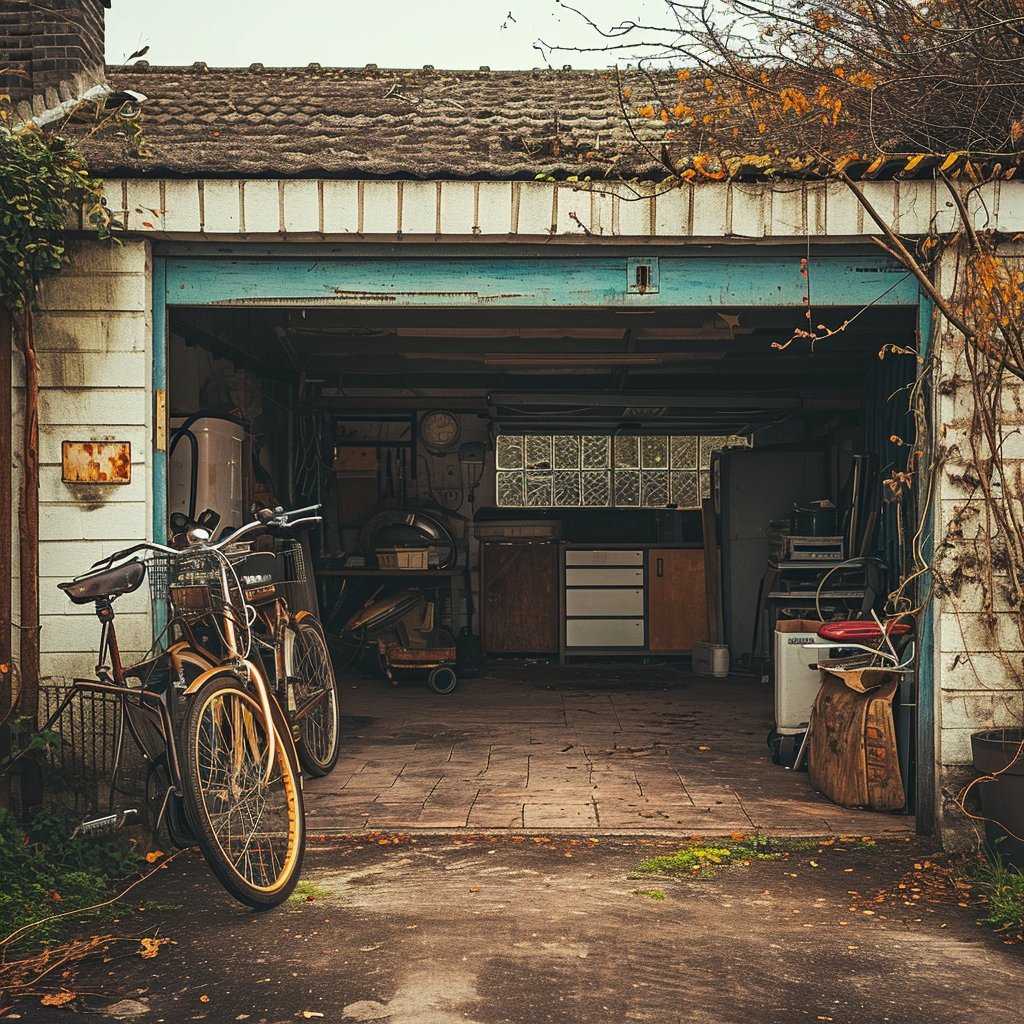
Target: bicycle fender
[204, 677]
[284, 731]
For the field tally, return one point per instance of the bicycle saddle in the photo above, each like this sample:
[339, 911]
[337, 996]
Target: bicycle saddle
[859, 630]
[109, 583]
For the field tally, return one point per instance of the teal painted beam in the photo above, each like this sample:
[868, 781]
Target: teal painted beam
[159, 458]
[926, 795]
[556, 282]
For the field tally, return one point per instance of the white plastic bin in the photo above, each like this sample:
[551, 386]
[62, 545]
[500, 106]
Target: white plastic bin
[796, 682]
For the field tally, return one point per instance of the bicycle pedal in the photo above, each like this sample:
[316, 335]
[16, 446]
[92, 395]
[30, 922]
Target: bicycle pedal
[107, 823]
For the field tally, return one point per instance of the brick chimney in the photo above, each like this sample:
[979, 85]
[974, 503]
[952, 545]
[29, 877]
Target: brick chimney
[57, 45]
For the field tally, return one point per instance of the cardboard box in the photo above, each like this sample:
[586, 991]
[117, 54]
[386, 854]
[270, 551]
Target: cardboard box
[796, 681]
[355, 459]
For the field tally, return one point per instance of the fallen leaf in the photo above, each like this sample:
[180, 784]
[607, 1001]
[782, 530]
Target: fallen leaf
[311, 1013]
[204, 999]
[57, 998]
[153, 856]
[474, 888]
[703, 748]
[148, 948]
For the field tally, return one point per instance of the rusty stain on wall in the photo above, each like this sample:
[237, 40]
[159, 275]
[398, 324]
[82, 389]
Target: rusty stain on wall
[96, 462]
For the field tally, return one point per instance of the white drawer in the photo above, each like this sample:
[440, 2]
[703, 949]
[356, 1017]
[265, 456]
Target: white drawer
[598, 577]
[606, 601]
[604, 633]
[604, 558]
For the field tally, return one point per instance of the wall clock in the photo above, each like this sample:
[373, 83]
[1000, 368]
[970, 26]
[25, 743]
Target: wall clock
[440, 431]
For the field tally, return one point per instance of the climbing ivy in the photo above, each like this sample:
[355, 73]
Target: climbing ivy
[44, 182]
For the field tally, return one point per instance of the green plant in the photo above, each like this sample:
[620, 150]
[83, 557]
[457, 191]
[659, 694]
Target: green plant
[651, 894]
[1000, 889]
[306, 892]
[43, 181]
[700, 860]
[46, 871]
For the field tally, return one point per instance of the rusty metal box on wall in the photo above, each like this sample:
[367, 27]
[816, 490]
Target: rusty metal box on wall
[96, 462]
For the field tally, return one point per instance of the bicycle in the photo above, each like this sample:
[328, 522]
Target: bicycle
[303, 672]
[217, 738]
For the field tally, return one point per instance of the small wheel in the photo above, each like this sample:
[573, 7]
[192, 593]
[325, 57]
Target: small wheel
[308, 663]
[442, 679]
[251, 829]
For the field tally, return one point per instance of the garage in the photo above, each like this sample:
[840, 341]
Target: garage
[585, 475]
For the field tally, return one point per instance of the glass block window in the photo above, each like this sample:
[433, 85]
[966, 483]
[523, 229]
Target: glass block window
[598, 471]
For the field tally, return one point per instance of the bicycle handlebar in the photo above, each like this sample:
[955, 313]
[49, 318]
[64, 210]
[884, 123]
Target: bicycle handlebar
[265, 519]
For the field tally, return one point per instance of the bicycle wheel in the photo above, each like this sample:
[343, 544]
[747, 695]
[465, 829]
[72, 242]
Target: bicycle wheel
[307, 662]
[251, 830]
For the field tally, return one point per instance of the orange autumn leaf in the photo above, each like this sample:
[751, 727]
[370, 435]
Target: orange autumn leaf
[795, 100]
[682, 75]
[153, 856]
[647, 111]
[627, 92]
[57, 998]
[148, 948]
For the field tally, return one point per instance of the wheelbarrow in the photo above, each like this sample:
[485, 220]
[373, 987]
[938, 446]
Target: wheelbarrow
[401, 627]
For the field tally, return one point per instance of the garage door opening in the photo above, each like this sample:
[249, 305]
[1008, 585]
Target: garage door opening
[575, 502]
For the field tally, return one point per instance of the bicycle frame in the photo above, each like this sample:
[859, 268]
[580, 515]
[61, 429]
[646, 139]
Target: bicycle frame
[234, 658]
[153, 706]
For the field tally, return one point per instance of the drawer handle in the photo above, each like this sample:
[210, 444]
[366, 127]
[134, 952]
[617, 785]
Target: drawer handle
[661, 566]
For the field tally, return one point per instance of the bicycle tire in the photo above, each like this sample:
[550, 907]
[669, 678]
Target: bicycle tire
[224, 761]
[307, 662]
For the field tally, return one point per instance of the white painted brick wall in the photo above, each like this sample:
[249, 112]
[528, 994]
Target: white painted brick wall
[93, 334]
[979, 667]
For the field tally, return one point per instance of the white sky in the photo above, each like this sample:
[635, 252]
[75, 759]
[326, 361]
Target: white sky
[351, 33]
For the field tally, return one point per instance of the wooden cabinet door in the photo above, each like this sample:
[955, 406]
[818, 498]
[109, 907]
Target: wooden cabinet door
[677, 609]
[519, 591]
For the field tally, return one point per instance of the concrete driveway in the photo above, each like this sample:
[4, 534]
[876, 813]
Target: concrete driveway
[519, 929]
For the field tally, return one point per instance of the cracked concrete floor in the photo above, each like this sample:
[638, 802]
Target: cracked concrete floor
[602, 747]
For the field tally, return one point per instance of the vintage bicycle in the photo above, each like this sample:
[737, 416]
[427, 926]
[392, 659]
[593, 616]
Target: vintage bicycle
[291, 641]
[215, 737]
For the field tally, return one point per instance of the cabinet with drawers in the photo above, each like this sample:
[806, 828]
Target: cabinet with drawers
[619, 599]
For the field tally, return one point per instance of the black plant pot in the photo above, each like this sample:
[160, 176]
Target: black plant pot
[1002, 800]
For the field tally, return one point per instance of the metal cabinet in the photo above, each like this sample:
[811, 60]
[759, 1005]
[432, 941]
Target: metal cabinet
[630, 600]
